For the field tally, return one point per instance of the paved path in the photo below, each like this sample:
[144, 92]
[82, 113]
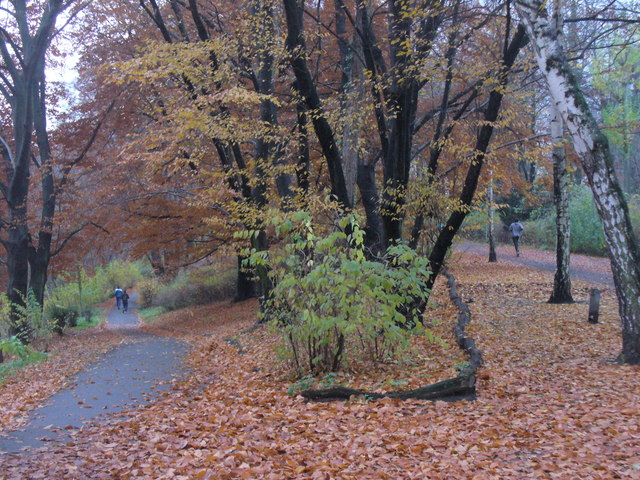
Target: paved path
[589, 269]
[131, 374]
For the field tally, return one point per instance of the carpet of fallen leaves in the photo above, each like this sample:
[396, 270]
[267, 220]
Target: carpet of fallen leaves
[551, 404]
[31, 386]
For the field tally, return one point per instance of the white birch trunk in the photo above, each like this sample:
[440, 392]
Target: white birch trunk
[593, 150]
[562, 278]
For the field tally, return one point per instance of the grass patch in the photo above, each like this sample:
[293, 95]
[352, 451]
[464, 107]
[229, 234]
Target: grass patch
[21, 356]
[90, 321]
[151, 313]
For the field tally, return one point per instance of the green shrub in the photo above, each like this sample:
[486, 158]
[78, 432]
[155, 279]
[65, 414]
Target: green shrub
[541, 232]
[31, 315]
[74, 293]
[61, 316]
[123, 274]
[587, 236]
[147, 291]
[329, 299]
[24, 355]
[196, 287]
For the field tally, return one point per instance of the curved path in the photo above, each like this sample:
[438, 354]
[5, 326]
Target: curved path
[131, 374]
[588, 269]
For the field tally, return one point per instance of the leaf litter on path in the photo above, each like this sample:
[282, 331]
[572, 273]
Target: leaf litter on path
[551, 404]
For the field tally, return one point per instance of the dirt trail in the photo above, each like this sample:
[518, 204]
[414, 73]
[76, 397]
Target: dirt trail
[589, 269]
[131, 374]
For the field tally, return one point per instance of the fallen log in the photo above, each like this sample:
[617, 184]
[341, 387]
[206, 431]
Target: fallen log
[462, 387]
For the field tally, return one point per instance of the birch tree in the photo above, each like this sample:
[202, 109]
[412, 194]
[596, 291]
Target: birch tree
[595, 156]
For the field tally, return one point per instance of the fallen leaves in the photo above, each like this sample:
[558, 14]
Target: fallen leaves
[551, 404]
[30, 387]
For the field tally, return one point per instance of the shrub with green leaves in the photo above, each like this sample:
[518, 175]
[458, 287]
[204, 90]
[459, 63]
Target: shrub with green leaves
[331, 302]
[147, 291]
[22, 354]
[195, 287]
[30, 314]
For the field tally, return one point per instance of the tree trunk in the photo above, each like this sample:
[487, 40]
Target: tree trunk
[447, 234]
[351, 87]
[374, 231]
[245, 286]
[41, 254]
[593, 150]
[562, 278]
[18, 242]
[39, 263]
[268, 151]
[492, 246]
[24, 93]
[297, 49]
[402, 100]
[18, 278]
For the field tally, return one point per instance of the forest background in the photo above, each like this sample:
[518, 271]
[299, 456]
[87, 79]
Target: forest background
[198, 131]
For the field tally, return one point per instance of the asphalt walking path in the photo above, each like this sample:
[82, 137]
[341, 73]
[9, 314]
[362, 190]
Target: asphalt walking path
[132, 374]
[582, 267]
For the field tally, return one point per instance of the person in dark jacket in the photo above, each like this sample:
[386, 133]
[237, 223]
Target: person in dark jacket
[125, 301]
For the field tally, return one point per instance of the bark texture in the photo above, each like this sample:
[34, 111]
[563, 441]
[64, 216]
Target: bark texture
[593, 149]
[23, 63]
[447, 234]
[562, 278]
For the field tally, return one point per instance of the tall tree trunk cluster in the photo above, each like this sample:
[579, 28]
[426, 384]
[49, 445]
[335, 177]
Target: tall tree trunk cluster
[593, 149]
[266, 152]
[23, 53]
[395, 86]
[23, 87]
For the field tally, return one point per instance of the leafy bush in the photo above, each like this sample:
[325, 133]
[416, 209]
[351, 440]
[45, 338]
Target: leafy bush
[330, 300]
[123, 274]
[147, 291]
[12, 347]
[586, 230]
[61, 316]
[196, 287]
[587, 235]
[31, 315]
[541, 232]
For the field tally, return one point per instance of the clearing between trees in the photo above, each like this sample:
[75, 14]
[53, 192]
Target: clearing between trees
[551, 402]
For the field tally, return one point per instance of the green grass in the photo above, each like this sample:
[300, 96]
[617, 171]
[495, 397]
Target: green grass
[150, 313]
[23, 354]
[84, 323]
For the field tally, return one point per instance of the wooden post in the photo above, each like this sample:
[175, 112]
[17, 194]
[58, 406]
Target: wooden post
[594, 305]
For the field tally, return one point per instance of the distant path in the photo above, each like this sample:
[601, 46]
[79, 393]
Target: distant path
[129, 375]
[589, 269]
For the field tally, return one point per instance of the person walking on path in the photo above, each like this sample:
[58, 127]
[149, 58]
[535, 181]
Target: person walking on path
[118, 294]
[125, 301]
[516, 230]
